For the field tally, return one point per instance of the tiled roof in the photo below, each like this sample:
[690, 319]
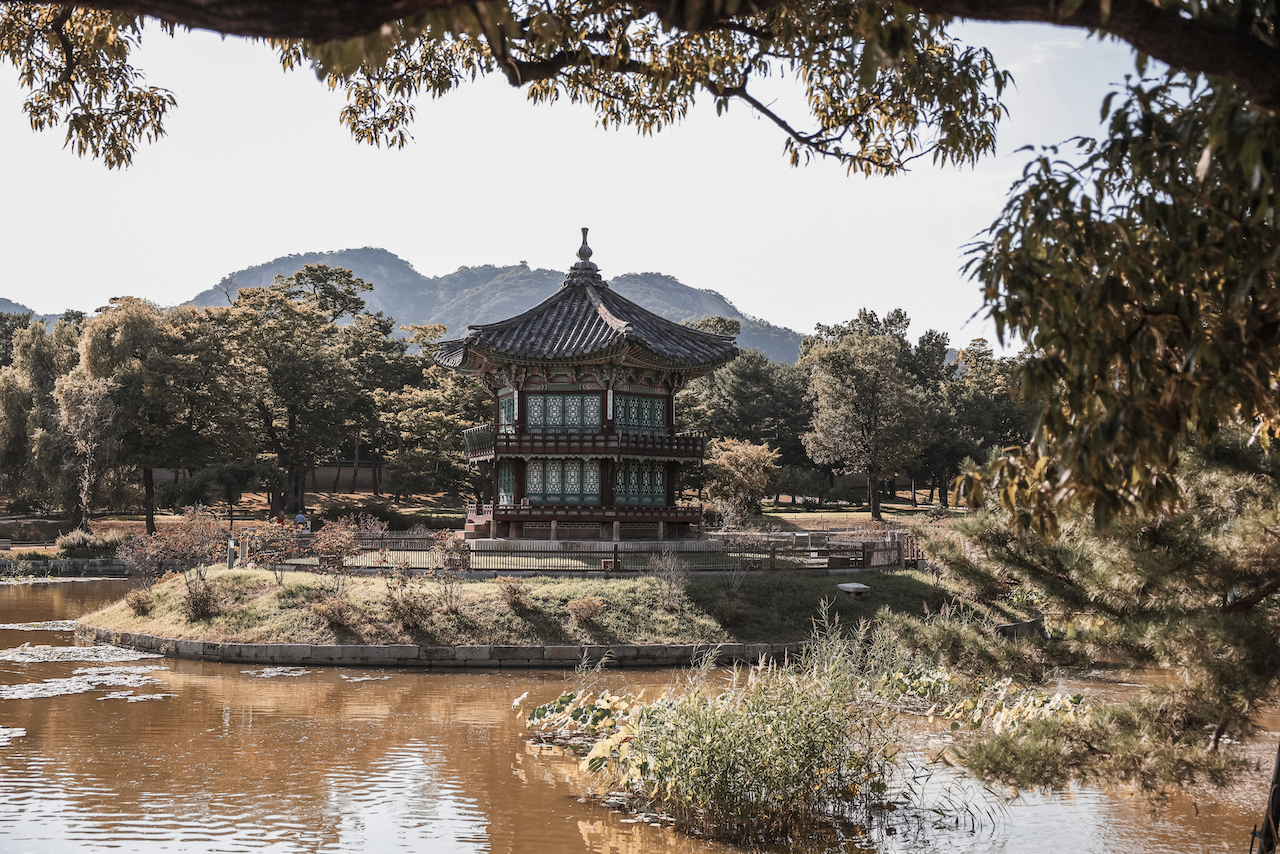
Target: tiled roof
[587, 320]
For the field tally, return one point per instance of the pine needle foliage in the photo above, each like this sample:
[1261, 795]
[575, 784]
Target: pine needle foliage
[1190, 591]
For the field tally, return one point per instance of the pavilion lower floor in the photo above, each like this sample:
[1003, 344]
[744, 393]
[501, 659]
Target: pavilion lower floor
[582, 522]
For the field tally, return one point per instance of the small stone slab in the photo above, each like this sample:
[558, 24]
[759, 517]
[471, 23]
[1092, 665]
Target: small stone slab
[853, 589]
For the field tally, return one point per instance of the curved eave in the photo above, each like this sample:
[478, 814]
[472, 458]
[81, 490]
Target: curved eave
[470, 358]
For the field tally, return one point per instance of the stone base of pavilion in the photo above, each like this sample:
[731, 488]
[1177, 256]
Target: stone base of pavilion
[570, 546]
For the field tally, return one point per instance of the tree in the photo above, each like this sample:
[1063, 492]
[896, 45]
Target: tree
[740, 473]
[33, 447]
[172, 388]
[753, 399]
[10, 323]
[1142, 276]
[425, 419]
[868, 413]
[87, 415]
[297, 381]
[1186, 590]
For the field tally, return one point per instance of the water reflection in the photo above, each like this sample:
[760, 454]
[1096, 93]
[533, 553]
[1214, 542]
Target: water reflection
[244, 759]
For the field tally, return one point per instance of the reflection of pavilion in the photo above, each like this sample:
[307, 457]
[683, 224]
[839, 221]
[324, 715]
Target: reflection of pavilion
[583, 443]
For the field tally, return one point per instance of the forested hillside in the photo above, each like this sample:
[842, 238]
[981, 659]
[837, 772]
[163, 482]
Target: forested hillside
[487, 293]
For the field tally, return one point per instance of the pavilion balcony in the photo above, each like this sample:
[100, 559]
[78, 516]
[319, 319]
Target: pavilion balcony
[583, 513]
[486, 443]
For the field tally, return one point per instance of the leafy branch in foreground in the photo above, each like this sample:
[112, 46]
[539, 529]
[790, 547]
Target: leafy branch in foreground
[1142, 273]
[1189, 592]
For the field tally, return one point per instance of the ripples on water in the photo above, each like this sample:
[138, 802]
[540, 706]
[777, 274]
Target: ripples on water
[178, 755]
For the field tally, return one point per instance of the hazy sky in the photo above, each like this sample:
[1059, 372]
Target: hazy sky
[256, 165]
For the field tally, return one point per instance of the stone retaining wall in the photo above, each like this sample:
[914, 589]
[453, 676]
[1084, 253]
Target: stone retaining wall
[450, 657]
[69, 566]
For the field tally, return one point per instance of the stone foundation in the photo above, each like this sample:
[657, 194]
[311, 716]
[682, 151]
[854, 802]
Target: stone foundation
[486, 657]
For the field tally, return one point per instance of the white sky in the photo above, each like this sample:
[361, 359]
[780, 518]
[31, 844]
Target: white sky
[256, 165]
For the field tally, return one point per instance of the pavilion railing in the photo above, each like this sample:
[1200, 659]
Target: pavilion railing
[484, 441]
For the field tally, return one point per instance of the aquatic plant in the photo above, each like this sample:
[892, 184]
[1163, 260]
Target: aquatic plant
[773, 752]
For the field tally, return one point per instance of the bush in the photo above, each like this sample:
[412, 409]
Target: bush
[514, 591]
[671, 576]
[139, 601]
[777, 753]
[83, 544]
[730, 611]
[585, 609]
[336, 611]
[406, 600]
[26, 554]
[201, 601]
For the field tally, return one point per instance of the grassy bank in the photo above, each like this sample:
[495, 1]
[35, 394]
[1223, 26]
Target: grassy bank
[773, 607]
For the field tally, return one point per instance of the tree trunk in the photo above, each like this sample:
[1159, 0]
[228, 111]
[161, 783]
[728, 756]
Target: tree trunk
[1267, 835]
[355, 466]
[873, 490]
[337, 473]
[942, 492]
[149, 499]
[914, 502]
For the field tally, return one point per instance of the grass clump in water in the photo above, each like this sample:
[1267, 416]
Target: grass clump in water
[772, 755]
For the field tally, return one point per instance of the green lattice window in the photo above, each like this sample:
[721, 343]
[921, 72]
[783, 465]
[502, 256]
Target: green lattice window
[644, 415]
[562, 481]
[506, 483]
[562, 413]
[640, 482]
[507, 415]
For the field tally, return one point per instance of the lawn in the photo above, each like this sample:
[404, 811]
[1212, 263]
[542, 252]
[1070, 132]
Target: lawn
[768, 607]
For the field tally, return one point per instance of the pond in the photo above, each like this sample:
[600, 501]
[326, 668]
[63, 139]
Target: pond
[164, 755]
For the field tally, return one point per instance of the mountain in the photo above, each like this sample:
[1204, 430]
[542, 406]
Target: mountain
[473, 295]
[8, 306]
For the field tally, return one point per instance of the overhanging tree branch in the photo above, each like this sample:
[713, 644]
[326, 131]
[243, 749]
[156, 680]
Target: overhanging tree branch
[1165, 34]
[1223, 48]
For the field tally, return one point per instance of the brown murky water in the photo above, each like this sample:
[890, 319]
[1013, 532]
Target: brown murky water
[208, 757]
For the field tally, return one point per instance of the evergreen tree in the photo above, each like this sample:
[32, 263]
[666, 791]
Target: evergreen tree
[1189, 590]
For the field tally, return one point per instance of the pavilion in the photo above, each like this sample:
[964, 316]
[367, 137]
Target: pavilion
[583, 442]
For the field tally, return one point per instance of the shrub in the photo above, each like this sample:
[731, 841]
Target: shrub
[28, 554]
[671, 576]
[585, 609]
[779, 751]
[336, 611]
[139, 601]
[406, 601]
[730, 611]
[447, 593]
[514, 591]
[83, 544]
[201, 600]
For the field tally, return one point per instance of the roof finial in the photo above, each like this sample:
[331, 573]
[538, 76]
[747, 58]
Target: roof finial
[584, 259]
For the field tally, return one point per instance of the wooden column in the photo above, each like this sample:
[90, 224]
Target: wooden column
[606, 483]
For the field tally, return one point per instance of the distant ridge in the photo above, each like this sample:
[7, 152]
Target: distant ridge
[8, 306]
[473, 295]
